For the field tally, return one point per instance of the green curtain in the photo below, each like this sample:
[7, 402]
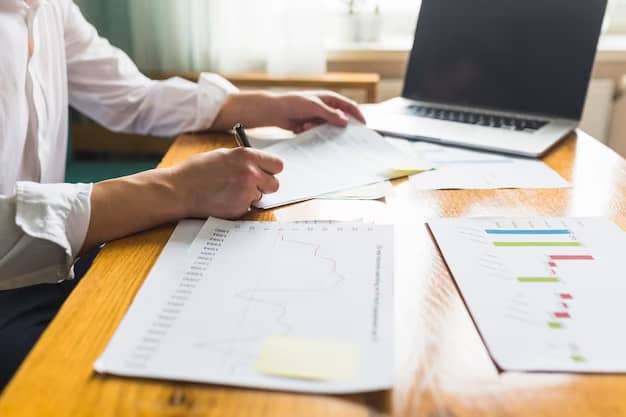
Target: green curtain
[156, 34]
[281, 36]
[112, 19]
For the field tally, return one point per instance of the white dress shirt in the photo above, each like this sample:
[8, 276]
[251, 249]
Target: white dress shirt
[43, 223]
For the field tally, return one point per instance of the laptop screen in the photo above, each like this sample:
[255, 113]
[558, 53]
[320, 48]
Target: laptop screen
[528, 56]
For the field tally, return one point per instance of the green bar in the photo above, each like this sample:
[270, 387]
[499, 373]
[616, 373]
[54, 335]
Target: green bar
[517, 244]
[578, 358]
[538, 279]
[555, 325]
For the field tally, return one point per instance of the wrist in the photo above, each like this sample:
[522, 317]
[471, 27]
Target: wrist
[174, 193]
[252, 108]
[126, 205]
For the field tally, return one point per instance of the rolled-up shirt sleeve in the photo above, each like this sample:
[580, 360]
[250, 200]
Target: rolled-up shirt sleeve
[106, 85]
[42, 229]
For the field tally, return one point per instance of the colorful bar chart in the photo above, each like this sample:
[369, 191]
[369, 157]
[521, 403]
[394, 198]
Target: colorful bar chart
[540, 289]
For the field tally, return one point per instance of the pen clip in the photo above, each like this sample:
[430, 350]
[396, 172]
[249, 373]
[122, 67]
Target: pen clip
[241, 136]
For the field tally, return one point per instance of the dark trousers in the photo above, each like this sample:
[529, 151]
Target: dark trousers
[26, 312]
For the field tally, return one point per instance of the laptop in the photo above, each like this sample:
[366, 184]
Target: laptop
[501, 75]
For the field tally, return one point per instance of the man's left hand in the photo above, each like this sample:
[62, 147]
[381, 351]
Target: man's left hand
[292, 111]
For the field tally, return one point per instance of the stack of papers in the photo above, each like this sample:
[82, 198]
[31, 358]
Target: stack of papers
[328, 159]
[347, 160]
[303, 306]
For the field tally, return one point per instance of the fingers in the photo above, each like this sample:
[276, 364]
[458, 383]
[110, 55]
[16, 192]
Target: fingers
[310, 125]
[307, 125]
[267, 184]
[261, 183]
[344, 104]
[333, 116]
[256, 172]
[267, 162]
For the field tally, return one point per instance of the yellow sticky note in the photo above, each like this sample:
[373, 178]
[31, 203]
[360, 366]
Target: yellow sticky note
[311, 359]
[402, 172]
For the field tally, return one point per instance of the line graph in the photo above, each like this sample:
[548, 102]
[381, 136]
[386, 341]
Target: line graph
[300, 289]
[262, 293]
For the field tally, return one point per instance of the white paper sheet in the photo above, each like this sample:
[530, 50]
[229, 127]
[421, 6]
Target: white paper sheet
[458, 168]
[517, 174]
[262, 137]
[328, 159]
[305, 288]
[368, 192]
[546, 293]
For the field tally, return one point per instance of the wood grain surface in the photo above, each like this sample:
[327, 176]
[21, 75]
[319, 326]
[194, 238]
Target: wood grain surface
[441, 366]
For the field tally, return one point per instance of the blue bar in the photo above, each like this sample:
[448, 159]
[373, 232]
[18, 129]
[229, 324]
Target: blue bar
[527, 232]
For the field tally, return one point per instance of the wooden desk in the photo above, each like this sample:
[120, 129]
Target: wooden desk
[441, 366]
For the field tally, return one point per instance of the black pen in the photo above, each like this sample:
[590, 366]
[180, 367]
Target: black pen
[241, 136]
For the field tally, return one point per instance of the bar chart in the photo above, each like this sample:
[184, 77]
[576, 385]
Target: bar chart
[539, 288]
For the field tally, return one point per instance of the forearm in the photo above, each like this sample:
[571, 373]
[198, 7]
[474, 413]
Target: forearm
[127, 205]
[253, 109]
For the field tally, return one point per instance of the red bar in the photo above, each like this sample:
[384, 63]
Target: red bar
[566, 296]
[552, 264]
[563, 315]
[571, 257]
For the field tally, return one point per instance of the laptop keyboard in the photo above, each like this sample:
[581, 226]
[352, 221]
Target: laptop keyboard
[475, 118]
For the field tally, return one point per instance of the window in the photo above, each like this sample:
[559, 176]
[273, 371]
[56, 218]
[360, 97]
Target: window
[616, 17]
[389, 24]
[383, 23]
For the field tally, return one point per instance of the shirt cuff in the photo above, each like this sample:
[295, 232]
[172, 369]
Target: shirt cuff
[212, 92]
[58, 213]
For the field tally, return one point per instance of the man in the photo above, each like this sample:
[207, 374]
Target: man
[51, 57]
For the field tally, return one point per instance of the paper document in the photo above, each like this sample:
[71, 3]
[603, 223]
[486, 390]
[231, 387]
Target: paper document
[288, 306]
[457, 168]
[368, 192]
[262, 137]
[327, 159]
[546, 293]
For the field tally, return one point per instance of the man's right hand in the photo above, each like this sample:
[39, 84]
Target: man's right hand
[224, 183]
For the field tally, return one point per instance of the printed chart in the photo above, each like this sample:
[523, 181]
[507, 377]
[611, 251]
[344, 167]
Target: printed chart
[253, 300]
[545, 293]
